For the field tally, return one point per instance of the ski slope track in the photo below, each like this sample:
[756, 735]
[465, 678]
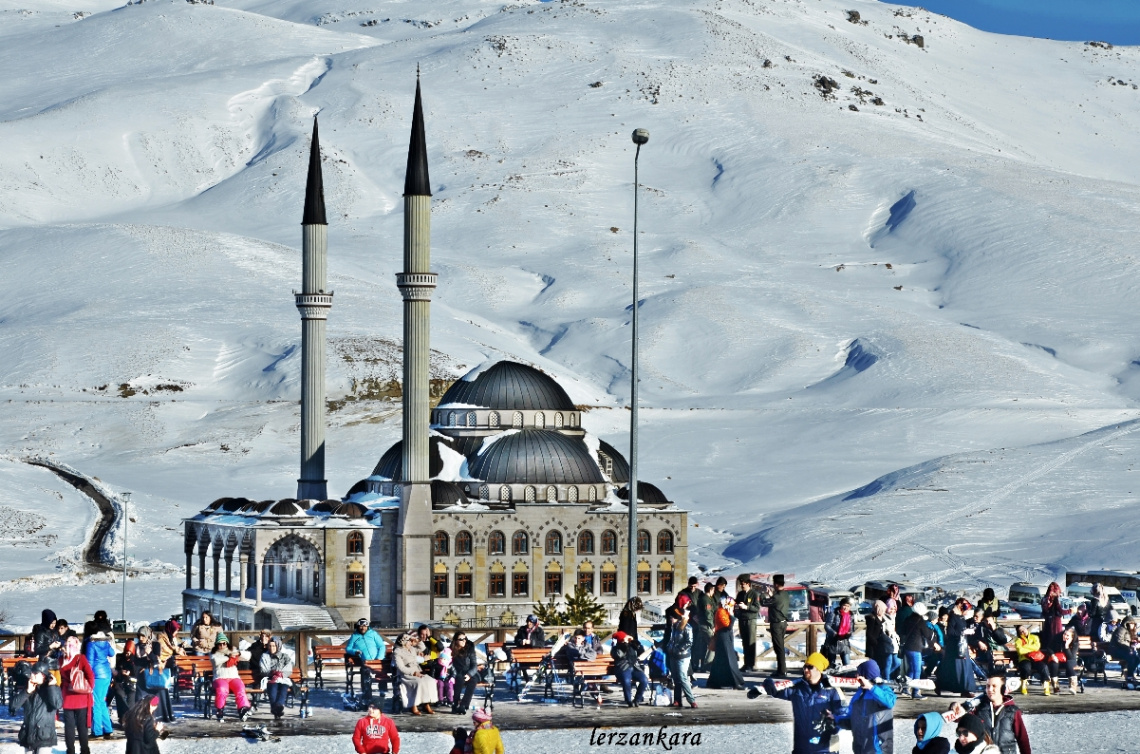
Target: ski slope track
[887, 293]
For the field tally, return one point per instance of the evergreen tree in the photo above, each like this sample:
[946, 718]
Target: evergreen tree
[582, 607]
[548, 613]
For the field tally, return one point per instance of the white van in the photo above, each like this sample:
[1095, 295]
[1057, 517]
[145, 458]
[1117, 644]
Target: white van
[1082, 590]
[1026, 598]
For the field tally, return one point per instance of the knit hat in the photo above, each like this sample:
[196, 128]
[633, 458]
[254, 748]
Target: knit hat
[620, 636]
[481, 715]
[683, 600]
[817, 661]
[974, 724]
[220, 638]
[532, 619]
[153, 702]
[920, 608]
[869, 669]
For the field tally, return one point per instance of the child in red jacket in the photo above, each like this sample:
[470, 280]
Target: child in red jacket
[376, 734]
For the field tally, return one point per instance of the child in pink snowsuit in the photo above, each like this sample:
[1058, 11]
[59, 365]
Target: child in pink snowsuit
[226, 678]
[445, 680]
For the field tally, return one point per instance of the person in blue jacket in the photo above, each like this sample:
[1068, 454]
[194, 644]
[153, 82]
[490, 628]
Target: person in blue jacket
[812, 700]
[869, 715]
[363, 646]
[100, 650]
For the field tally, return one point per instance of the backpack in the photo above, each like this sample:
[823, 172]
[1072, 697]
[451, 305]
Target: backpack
[657, 665]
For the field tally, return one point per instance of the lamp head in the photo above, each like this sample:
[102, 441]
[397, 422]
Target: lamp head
[640, 136]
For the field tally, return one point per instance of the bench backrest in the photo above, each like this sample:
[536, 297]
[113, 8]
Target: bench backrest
[529, 656]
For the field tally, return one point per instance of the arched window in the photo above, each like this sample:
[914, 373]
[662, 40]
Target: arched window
[558, 420]
[517, 420]
[554, 543]
[505, 494]
[528, 493]
[540, 420]
[572, 494]
[593, 494]
[496, 543]
[644, 542]
[463, 543]
[354, 545]
[440, 544]
[451, 418]
[586, 543]
[493, 419]
[520, 543]
[484, 492]
[472, 419]
[552, 494]
[609, 542]
[665, 541]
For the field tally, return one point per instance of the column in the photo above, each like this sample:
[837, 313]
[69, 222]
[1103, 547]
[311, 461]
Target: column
[189, 567]
[201, 568]
[243, 569]
[229, 566]
[257, 569]
[217, 570]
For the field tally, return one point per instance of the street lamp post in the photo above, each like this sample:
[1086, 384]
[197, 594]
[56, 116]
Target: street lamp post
[126, 498]
[640, 136]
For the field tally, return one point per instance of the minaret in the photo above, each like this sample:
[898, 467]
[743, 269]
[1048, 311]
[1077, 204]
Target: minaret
[314, 304]
[413, 592]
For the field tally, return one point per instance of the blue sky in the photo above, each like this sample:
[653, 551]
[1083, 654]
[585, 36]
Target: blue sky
[1116, 21]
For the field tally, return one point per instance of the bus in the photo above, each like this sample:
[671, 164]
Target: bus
[1127, 582]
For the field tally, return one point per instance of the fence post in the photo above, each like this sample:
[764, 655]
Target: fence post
[303, 654]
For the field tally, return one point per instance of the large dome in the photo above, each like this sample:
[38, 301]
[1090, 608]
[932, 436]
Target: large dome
[535, 456]
[508, 386]
[391, 464]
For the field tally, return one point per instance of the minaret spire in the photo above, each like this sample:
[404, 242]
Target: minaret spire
[416, 283]
[314, 303]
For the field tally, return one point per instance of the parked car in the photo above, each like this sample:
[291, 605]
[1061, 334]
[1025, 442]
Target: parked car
[1006, 611]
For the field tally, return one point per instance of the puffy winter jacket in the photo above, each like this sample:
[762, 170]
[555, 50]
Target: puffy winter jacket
[368, 645]
[99, 654]
[282, 663]
[808, 705]
[1005, 726]
[38, 730]
[870, 719]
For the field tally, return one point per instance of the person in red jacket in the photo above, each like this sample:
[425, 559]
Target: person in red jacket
[375, 733]
[77, 681]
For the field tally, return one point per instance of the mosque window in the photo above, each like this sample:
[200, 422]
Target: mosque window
[540, 420]
[665, 541]
[354, 585]
[493, 419]
[552, 494]
[439, 584]
[497, 586]
[644, 542]
[517, 420]
[586, 543]
[463, 543]
[609, 542]
[298, 585]
[553, 584]
[505, 494]
[609, 582]
[316, 583]
[484, 492]
[643, 582]
[520, 584]
[520, 543]
[440, 544]
[664, 582]
[496, 543]
[451, 418]
[572, 494]
[529, 494]
[558, 420]
[463, 584]
[593, 494]
[586, 580]
[554, 543]
[472, 419]
[354, 545]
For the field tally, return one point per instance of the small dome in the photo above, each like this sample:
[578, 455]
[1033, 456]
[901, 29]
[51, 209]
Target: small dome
[646, 493]
[445, 494]
[391, 465]
[509, 386]
[350, 510]
[535, 456]
[217, 504]
[325, 506]
[620, 473]
[288, 507]
[234, 504]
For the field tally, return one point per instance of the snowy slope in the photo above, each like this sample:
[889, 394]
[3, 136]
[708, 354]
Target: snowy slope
[834, 291]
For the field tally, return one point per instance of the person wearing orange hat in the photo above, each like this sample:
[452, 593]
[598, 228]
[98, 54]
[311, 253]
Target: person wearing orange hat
[813, 702]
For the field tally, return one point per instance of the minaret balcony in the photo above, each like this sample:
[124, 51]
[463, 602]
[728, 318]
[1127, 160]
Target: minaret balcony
[314, 305]
[416, 286]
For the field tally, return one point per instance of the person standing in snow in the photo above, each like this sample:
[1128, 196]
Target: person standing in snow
[41, 700]
[747, 610]
[99, 652]
[812, 699]
[869, 714]
[779, 610]
[77, 683]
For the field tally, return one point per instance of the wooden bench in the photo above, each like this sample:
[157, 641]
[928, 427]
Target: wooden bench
[1093, 659]
[588, 678]
[253, 691]
[526, 661]
[329, 656]
[7, 682]
[192, 674]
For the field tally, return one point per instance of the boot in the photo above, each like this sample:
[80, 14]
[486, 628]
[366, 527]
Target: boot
[1025, 687]
[1072, 685]
[428, 709]
[1048, 686]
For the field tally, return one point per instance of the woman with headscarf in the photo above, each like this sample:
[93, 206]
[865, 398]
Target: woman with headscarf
[956, 671]
[486, 738]
[419, 688]
[627, 618]
[1052, 614]
[928, 731]
[142, 730]
[725, 672]
[45, 639]
[168, 645]
[881, 639]
[77, 681]
[99, 652]
[277, 666]
[124, 682]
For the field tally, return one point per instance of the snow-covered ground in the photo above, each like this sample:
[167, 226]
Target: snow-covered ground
[877, 339]
[1107, 732]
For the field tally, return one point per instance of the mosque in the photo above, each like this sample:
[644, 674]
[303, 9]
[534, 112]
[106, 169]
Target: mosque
[494, 499]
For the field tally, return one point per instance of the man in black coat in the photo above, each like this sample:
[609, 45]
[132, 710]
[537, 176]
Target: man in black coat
[703, 610]
[747, 612]
[41, 700]
[779, 609]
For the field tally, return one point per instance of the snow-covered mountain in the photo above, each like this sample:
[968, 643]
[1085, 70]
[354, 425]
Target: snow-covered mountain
[888, 265]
